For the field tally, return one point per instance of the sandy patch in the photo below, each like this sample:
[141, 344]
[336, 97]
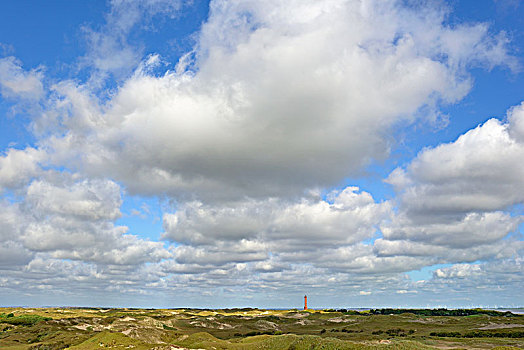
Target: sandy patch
[224, 326]
[303, 322]
[217, 325]
[266, 324]
[375, 342]
[127, 319]
[198, 324]
[426, 321]
[82, 326]
[297, 315]
[340, 319]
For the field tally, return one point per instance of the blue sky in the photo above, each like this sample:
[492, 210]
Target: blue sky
[159, 152]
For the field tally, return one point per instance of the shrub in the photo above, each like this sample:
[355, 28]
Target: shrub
[24, 320]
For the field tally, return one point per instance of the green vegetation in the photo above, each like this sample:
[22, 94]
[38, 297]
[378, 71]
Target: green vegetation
[25, 320]
[96, 328]
[108, 340]
[440, 312]
[479, 334]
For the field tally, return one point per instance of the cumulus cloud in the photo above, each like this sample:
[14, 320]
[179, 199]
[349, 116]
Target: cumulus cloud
[516, 122]
[17, 83]
[471, 229]
[13, 254]
[85, 200]
[70, 219]
[460, 270]
[17, 167]
[504, 276]
[10, 216]
[75, 221]
[362, 259]
[420, 254]
[460, 195]
[479, 172]
[350, 217]
[272, 103]
[221, 254]
[277, 102]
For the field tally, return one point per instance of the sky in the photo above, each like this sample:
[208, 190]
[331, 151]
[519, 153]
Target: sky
[212, 154]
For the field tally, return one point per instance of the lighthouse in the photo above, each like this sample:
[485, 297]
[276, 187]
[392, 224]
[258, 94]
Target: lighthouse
[305, 302]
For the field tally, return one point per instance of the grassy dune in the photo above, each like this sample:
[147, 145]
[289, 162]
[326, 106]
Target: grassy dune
[91, 328]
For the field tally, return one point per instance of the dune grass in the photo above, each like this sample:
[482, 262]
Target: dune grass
[95, 328]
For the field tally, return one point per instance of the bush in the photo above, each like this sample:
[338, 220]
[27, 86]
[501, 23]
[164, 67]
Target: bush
[441, 312]
[253, 333]
[479, 334]
[23, 320]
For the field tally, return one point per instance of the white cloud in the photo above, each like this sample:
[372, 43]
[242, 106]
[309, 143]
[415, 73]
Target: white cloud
[76, 221]
[17, 83]
[92, 201]
[480, 171]
[10, 218]
[516, 122]
[481, 283]
[17, 167]
[455, 200]
[361, 259]
[13, 254]
[272, 234]
[277, 104]
[403, 291]
[308, 224]
[425, 254]
[221, 254]
[460, 271]
[471, 229]
[70, 219]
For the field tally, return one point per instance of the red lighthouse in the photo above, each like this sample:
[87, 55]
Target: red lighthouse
[305, 302]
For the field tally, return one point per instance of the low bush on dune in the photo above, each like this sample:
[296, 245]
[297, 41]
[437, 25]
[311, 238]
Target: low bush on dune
[23, 320]
[479, 334]
[441, 312]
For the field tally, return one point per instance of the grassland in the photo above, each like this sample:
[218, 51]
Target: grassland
[93, 328]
